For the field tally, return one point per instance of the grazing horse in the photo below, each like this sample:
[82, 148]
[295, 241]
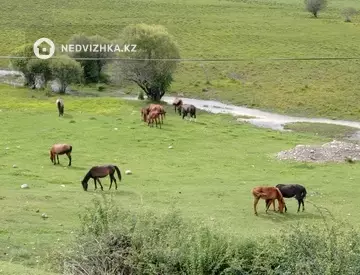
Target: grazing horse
[186, 109]
[97, 172]
[144, 113]
[177, 103]
[154, 116]
[159, 108]
[60, 149]
[289, 191]
[60, 106]
[268, 193]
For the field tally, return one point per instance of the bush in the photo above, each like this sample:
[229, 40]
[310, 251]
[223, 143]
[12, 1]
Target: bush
[141, 95]
[100, 87]
[113, 241]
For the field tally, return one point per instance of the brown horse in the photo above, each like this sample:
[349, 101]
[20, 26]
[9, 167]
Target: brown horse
[177, 103]
[154, 116]
[144, 113]
[60, 106]
[186, 109]
[159, 108]
[268, 193]
[60, 149]
[97, 172]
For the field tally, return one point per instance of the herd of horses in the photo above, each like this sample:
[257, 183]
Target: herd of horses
[156, 113]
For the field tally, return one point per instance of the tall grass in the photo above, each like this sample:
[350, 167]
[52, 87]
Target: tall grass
[112, 241]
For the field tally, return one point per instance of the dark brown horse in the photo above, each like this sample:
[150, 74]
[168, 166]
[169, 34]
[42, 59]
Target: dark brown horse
[186, 109]
[268, 194]
[153, 107]
[97, 172]
[60, 106]
[60, 149]
[289, 191]
[177, 103]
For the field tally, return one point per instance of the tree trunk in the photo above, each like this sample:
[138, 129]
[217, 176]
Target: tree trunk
[315, 14]
[62, 88]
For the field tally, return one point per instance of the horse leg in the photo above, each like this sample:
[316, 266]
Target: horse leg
[299, 203]
[111, 180]
[102, 189]
[160, 123]
[303, 206]
[57, 158]
[69, 156]
[256, 200]
[95, 183]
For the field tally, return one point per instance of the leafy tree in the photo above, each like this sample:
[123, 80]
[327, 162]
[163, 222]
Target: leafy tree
[66, 71]
[40, 67]
[348, 13]
[314, 6]
[148, 67]
[94, 66]
[20, 58]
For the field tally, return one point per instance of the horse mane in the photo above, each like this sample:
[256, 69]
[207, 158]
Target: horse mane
[87, 176]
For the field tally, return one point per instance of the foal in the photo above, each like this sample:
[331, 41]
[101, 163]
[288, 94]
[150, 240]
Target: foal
[186, 109]
[154, 116]
[268, 193]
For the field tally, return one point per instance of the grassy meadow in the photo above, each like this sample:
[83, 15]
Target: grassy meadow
[215, 29]
[207, 176]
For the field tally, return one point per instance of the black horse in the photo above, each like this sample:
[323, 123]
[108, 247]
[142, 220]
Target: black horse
[97, 172]
[186, 109]
[289, 191]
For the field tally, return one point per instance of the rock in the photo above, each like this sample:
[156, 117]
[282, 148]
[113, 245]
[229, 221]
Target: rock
[24, 186]
[44, 215]
[115, 129]
[62, 185]
[14, 166]
[37, 211]
[128, 172]
[170, 147]
[7, 148]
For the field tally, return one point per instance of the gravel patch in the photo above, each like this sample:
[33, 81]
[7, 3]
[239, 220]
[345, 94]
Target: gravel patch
[335, 151]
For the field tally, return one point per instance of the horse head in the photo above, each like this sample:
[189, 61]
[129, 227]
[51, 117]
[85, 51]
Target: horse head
[84, 185]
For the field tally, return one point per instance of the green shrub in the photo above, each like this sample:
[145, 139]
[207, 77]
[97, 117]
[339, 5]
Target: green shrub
[113, 241]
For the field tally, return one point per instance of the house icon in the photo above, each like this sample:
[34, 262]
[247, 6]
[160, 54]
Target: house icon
[44, 48]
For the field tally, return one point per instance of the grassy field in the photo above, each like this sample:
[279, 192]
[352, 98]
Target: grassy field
[222, 29]
[207, 176]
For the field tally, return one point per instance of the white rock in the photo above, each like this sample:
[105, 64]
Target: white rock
[7, 148]
[44, 215]
[115, 129]
[14, 166]
[62, 185]
[24, 186]
[170, 147]
[128, 172]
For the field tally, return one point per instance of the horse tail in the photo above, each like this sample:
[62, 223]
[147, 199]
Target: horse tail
[59, 105]
[70, 149]
[118, 172]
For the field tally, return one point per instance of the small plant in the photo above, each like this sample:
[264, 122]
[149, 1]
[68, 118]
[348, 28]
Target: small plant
[348, 13]
[141, 95]
[314, 6]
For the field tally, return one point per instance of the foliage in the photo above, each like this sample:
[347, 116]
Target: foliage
[40, 67]
[150, 71]
[314, 6]
[20, 58]
[66, 71]
[348, 13]
[93, 67]
[120, 242]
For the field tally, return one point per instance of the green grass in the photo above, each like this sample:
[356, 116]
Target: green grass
[207, 176]
[322, 129]
[222, 29]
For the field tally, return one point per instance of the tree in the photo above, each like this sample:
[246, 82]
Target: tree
[151, 70]
[92, 67]
[348, 13]
[41, 68]
[66, 71]
[314, 6]
[20, 58]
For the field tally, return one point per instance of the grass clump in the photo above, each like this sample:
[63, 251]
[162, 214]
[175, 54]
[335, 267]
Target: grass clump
[112, 241]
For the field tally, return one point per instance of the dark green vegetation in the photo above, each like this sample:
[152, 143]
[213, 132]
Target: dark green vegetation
[207, 177]
[222, 29]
